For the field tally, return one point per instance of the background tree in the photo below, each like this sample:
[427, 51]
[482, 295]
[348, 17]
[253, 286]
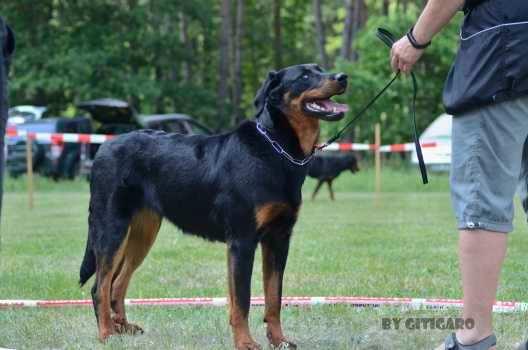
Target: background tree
[225, 56]
[277, 35]
[207, 58]
[320, 29]
[237, 76]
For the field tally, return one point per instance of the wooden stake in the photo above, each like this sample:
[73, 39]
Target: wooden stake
[29, 166]
[377, 143]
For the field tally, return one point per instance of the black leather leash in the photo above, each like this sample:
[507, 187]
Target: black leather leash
[387, 37]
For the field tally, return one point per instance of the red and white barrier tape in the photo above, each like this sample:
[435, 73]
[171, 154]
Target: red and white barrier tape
[412, 303]
[399, 147]
[56, 138]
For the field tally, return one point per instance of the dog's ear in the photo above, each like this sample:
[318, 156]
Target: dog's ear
[265, 93]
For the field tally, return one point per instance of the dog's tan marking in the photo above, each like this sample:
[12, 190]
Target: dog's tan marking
[237, 318]
[272, 292]
[105, 272]
[268, 212]
[141, 235]
[306, 127]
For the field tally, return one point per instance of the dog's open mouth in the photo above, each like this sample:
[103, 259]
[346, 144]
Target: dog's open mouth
[326, 109]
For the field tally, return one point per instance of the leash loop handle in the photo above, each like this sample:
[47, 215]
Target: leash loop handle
[388, 38]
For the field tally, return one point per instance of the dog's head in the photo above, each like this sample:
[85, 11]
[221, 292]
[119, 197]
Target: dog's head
[304, 89]
[352, 164]
[302, 95]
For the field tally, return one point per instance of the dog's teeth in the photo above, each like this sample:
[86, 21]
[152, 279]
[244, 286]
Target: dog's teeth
[313, 106]
[335, 110]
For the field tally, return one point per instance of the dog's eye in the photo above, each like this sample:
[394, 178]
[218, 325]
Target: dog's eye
[305, 76]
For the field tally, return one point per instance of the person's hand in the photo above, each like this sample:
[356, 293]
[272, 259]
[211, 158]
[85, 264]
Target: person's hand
[404, 55]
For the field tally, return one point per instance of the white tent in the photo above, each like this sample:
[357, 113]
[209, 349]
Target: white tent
[439, 134]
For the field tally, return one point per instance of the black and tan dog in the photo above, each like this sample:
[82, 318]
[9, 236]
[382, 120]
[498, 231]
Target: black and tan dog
[235, 188]
[328, 167]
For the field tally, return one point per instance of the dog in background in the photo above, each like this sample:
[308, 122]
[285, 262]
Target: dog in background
[328, 167]
[239, 188]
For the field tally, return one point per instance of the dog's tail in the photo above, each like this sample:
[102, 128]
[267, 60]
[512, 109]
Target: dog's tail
[88, 264]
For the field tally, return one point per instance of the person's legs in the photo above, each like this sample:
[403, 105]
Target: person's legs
[486, 165]
[481, 254]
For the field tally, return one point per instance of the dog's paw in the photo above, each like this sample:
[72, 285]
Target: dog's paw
[104, 335]
[127, 328]
[248, 346]
[283, 345]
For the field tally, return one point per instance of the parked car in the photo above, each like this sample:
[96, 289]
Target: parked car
[174, 122]
[23, 114]
[49, 159]
[437, 158]
[105, 116]
[113, 117]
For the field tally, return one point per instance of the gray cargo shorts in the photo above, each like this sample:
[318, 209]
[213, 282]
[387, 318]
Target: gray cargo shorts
[489, 162]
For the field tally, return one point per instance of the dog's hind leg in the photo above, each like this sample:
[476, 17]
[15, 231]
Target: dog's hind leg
[240, 256]
[329, 182]
[317, 188]
[108, 262]
[142, 233]
[274, 255]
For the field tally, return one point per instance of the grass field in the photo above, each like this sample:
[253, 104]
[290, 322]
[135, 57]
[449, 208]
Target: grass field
[403, 244]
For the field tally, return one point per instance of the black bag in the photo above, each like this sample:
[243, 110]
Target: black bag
[491, 65]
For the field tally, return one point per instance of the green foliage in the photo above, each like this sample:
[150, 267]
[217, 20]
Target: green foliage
[397, 244]
[372, 71]
[70, 51]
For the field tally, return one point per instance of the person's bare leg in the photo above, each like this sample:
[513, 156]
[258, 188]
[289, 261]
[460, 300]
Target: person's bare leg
[481, 254]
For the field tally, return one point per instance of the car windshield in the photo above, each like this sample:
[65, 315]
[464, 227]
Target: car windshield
[172, 126]
[199, 129]
[17, 117]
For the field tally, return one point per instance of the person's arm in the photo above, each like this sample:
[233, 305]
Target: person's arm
[435, 16]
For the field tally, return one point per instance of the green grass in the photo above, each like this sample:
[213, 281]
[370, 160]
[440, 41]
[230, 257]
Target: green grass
[401, 244]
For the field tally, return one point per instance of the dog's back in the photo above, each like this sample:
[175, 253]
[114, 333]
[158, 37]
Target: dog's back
[328, 167]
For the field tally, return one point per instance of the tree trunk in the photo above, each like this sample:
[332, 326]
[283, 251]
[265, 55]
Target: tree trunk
[355, 18]
[385, 10]
[346, 48]
[237, 83]
[363, 14]
[225, 38]
[277, 34]
[319, 27]
[404, 4]
[360, 18]
[186, 43]
[159, 105]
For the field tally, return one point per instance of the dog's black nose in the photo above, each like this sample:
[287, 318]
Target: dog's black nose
[341, 78]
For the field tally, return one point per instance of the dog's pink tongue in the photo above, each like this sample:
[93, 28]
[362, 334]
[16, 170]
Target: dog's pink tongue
[332, 106]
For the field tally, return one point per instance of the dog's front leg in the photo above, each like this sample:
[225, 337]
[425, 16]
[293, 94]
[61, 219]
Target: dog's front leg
[317, 188]
[240, 256]
[274, 255]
